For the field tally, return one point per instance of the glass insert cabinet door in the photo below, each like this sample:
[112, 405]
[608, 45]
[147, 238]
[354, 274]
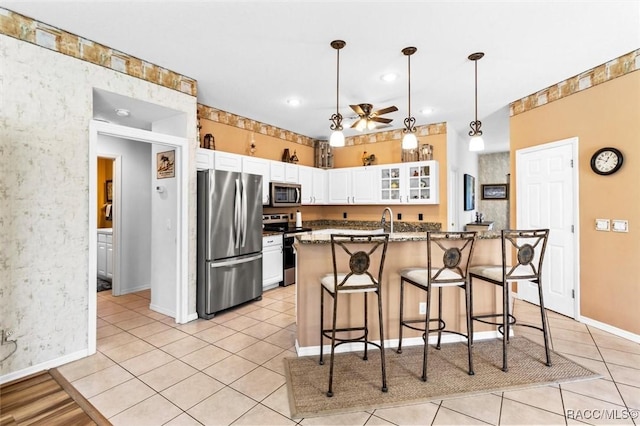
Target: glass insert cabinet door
[390, 184]
[420, 187]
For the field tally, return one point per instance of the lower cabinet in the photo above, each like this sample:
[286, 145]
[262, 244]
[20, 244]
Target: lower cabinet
[105, 254]
[272, 271]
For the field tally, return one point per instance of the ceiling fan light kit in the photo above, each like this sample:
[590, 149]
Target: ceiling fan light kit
[476, 143]
[409, 140]
[337, 137]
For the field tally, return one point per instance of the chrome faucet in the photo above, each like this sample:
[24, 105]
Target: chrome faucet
[383, 220]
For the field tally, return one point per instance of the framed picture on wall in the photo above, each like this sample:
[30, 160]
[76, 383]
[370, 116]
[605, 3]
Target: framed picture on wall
[469, 192]
[166, 164]
[495, 191]
[108, 191]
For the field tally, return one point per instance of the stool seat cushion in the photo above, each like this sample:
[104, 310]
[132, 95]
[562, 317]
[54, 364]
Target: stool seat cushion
[492, 272]
[354, 280]
[419, 276]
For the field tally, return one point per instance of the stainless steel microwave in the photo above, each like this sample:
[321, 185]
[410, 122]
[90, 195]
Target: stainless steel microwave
[284, 194]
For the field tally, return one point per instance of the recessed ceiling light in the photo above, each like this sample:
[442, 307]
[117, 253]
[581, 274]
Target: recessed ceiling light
[121, 112]
[426, 111]
[293, 102]
[389, 77]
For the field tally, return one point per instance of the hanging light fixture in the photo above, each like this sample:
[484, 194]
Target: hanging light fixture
[476, 143]
[337, 137]
[409, 140]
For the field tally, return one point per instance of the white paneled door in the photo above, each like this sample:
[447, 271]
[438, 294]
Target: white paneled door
[546, 190]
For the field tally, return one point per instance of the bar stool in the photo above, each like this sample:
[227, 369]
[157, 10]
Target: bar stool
[455, 249]
[358, 261]
[526, 248]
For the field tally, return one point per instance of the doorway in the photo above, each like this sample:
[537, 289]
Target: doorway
[547, 197]
[179, 229]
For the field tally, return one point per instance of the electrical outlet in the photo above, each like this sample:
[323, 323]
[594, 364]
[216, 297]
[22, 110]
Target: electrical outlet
[422, 307]
[5, 336]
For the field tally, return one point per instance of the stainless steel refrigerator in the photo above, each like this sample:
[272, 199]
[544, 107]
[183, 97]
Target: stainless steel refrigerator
[229, 240]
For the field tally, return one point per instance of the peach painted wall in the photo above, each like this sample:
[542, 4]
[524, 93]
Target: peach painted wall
[237, 140]
[105, 172]
[604, 115]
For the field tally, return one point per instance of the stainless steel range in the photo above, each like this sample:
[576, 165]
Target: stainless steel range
[279, 222]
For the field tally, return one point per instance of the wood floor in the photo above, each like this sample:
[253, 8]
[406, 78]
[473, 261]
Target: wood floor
[45, 398]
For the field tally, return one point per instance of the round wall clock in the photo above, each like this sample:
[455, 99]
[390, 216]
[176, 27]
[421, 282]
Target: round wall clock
[606, 161]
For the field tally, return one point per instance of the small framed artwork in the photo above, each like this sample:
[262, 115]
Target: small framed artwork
[469, 192]
[108, 191]
[166, 164]
[495, 191]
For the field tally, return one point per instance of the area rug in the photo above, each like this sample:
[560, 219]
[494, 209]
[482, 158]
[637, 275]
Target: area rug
[357, 383]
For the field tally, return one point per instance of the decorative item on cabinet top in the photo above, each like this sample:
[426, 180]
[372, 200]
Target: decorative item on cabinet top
[323, 155]
[209, 142]
[424, 152]
[367, 159]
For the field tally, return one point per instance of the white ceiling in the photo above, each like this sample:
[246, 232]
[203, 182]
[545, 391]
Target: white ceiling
[249, 57]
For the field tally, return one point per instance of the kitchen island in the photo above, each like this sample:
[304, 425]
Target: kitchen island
[406, 249]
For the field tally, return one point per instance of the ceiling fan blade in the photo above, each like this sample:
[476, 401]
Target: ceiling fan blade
[386, 110]
[358, 109]
[381, 120]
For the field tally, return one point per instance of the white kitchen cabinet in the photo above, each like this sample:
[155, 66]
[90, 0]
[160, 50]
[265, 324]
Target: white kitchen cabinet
[314, 185]
[105, 254]
[353, 185]
[283, 172]
[408, 183]
[421, 182]
[272, 266]
[390, 183]
[204, 159]
[340, 186]
[258, 166]
[227, 161]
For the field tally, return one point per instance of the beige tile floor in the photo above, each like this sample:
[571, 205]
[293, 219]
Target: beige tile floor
[228, 370]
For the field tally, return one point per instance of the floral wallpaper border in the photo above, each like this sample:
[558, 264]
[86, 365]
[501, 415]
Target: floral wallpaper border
[26, 29]
[618, 67]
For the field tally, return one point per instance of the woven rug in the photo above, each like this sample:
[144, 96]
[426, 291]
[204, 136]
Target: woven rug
[357, 383]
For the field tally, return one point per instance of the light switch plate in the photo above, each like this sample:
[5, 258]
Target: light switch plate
[619, 225]
[602, 224]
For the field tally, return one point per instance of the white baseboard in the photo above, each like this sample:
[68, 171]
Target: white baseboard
[162, 310]
[128, 290]
[192, 317]
[611, 329]
[43, 366]
[393, 343]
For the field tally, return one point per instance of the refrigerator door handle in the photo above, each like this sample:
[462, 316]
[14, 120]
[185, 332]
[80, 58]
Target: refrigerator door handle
[244, 217]
[237, 215]
[236, 261]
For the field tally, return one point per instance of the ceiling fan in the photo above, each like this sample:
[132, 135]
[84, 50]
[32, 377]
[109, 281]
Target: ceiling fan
[369, 119]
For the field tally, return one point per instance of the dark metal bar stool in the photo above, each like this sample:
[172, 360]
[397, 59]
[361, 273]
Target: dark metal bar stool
[357, 268]
[455, 250]
[524, 249]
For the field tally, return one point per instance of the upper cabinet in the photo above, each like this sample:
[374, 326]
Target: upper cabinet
[284, 172]
[353, 185]
[408, 183]
[258, 166]
[400, 183]
[422, 186]
[313, 182]
[227, 161]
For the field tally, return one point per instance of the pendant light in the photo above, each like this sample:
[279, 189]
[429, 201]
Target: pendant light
[476, 143]
[409, 140]
[337, 137]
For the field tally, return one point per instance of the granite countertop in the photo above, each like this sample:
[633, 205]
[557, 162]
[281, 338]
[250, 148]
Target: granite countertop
[398, 226]
[407, 231]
